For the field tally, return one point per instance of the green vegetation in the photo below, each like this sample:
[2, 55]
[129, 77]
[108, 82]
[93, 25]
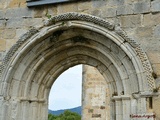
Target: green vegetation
[67, 115]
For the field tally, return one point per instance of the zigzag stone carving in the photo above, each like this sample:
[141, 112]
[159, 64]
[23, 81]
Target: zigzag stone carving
[83, 17]
[141, 54]
[15, 47]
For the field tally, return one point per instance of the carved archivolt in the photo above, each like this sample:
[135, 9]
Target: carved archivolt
[94, 20]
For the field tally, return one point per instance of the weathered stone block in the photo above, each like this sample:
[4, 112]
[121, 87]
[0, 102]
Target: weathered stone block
[156, 106]
[113, 20]
[156, 68]
[154, 57]
[1, 6]
[144, 31]
[2, 14]
[40, 12]
[2, 23]
[99, 3]
[19, 12]
[9, 33]
[96, 115]
[129, 1]
[130, 21]
[1, 33]
[67, 8]
[96, 13]
[2, 45]
[90, 110]
[20, 32]
[147, 20]
[14, 23]
[52, 10]
[102, 107]
[115, 2]
[157, 31]
[10, 43]
[141, 7]
[36, 22]
[83, 6]
[155, 5]
[156, 18]
[124, 10]
[109, 12]
[2, 54]
[150, 43]
[17, 3]
[151, 19]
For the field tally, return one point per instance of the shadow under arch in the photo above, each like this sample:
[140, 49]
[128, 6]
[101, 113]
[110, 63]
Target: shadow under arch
[40, 56]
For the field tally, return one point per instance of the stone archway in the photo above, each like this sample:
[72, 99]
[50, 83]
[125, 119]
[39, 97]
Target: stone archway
[40, 56]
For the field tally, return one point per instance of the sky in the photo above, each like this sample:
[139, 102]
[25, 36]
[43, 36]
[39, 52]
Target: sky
[67, 89]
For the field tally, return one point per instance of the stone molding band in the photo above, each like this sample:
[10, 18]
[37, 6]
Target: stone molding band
[88, 18]
[81, 17]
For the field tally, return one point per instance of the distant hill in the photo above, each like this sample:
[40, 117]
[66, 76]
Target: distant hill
[58, 112]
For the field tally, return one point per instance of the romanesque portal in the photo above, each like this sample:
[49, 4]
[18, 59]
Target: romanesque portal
[40, 56]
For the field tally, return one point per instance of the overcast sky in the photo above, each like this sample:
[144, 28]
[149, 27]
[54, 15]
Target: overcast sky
[66, 90]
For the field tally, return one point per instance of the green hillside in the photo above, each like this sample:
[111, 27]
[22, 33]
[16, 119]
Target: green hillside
[67, 115]
[58, 112]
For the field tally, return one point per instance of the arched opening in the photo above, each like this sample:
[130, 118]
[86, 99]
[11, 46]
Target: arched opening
[40, 56]
[95, 98]
[66, 91]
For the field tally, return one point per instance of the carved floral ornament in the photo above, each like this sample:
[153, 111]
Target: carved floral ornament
[90, 19]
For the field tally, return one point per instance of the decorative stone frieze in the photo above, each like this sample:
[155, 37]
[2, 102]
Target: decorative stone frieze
[82, 17]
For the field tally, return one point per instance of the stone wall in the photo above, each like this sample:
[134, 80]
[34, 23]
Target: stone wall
[95, 98]
[139, 18]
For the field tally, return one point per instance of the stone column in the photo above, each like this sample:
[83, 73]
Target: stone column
[3, 108]
[112, 110]
[32, 109]
[94, 104]
[126, 103]
[122, 107]
[118, 106]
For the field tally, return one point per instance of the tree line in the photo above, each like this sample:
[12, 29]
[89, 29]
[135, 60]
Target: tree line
[67, 115]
